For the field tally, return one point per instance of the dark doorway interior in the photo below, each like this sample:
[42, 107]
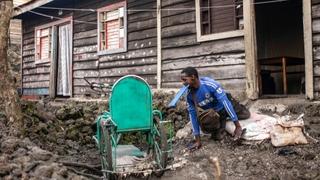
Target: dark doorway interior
[279, 29]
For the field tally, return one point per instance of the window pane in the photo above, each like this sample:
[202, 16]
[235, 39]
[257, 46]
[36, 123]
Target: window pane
[38, 33]
[44, 32]
[218, 16]
[112, 34]
[121, 33]
[121, 22]
[121, 12]
[112, 15]
[44, 51]
[111, 27]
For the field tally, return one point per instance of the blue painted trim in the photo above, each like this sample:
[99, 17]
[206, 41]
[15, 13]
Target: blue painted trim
[35, 91]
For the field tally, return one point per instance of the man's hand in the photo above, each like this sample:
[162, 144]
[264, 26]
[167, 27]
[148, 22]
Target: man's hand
[195, 145]
[237, 131]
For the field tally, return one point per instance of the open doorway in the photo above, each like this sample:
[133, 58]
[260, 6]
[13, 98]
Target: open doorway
[61, 59]
[280, 47]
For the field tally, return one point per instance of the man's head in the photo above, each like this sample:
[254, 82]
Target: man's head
[189, 76]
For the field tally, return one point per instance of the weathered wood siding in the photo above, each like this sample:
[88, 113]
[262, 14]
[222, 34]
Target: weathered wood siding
[140, 58]
[85, 59]
[222, 60]
[35, 77]
[15, 31]
[15, 50]
[316, 45]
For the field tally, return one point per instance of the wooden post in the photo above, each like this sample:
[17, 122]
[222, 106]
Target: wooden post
[307, 29]
[250, 49]
[21, 53]
[159, 52]
[284, 75]
[53, 66]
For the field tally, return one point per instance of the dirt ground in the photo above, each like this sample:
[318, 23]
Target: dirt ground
[58, 145]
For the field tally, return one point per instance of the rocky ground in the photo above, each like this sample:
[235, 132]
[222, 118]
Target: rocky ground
[58, 145]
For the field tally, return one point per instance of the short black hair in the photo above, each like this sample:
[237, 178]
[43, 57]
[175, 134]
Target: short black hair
[189, 71]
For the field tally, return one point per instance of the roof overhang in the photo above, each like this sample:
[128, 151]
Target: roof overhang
[29, 6]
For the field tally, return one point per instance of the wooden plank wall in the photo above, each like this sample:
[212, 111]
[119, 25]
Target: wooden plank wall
[15, 31]
[316, 45]
[85, 59]
[35, 77]
[140, 58]
[221, 59]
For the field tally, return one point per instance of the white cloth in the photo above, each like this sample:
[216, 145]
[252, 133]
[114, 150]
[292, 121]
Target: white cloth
[64, 61]
[258, 126]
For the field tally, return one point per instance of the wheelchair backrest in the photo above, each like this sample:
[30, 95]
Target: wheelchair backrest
[131, 104]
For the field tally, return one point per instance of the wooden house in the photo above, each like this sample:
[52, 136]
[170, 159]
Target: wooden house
[252, 47]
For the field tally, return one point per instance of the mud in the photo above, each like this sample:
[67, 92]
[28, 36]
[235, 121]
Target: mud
[61, 146]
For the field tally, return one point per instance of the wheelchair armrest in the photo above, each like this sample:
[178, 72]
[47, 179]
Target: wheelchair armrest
[158, 113]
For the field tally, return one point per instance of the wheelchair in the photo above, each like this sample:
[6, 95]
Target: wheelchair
[130, 110]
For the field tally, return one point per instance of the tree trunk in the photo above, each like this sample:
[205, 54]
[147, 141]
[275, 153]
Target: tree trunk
[8, 93]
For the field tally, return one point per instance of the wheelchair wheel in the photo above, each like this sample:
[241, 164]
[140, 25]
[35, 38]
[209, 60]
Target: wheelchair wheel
[106, 153]
[160, 148]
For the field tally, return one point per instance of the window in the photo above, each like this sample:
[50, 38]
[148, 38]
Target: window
[112, 28]
[217, 19]
[43, 45]
[43, 39]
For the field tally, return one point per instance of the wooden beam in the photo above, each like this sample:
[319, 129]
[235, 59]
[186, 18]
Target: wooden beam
[71, 58]
[127, 63]
[204, 61]
[85, 34]
[217, 72]
[228, 84]
[36, 77]
[250, 49]
[178, 30]
[140, 53]
[307, 29]
[38, 70]
[43, 84]
[145, 69]
[145, 43]
[29, 6]
[284, 75]
[54, 59]
[233, 45]
[139, 35]
[21, 62]
[179, 41]
[159, 52]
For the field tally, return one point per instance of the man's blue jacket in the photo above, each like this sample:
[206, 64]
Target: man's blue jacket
[209, 95]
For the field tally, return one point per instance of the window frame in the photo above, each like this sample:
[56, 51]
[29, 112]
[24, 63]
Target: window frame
[45, 26]
[213, 36]
[112, 7]
[42, 60]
